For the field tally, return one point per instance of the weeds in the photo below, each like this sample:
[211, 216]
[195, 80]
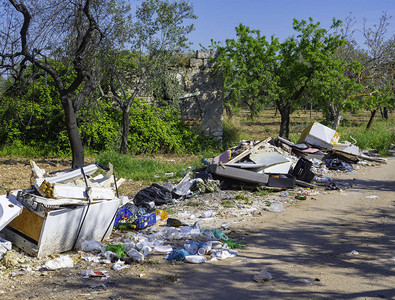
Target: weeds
[193, 204]
[147, 169]
[380, 137]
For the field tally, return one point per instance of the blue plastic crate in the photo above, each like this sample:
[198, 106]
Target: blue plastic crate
[125, 220]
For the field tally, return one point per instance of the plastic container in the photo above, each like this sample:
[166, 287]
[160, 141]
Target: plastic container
[191, 247]
[125, 220]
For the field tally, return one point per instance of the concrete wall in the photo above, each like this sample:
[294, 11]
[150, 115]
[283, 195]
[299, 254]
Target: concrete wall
[202, 104]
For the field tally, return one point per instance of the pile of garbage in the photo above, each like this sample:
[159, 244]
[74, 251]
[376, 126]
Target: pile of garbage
[60, 210]
[275, 164]
[71, 209]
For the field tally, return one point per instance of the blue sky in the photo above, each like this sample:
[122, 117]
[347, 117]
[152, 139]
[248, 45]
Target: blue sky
[218, 18]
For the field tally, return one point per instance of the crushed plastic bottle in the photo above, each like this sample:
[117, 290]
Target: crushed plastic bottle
[276, 207]
[207, 214]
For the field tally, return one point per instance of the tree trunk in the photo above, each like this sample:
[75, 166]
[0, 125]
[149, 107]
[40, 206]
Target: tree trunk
[284, 125]
[336, 120]
[77, 148]
[384, 113]
[372, 114]
[125, 130]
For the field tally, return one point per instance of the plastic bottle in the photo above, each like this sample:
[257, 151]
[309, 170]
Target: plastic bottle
[191, 247]
[207, 214]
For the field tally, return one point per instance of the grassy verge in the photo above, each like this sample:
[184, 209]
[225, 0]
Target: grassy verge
[147, 169]
[380, 137]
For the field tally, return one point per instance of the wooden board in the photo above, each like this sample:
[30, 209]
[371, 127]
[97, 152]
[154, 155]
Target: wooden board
[28, 223]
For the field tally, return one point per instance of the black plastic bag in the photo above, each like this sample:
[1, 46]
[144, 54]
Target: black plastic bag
[154, 193]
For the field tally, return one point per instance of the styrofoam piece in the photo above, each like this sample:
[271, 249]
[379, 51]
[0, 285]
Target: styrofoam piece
[10, 208]
[347, 147]
[246, 165]
[195, 259]
[80, 192]
[72, 175]
[163, 249]
[282, 168]
[38, 172]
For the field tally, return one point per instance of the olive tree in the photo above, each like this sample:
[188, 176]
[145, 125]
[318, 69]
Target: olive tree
[158, 32]
[71, 31]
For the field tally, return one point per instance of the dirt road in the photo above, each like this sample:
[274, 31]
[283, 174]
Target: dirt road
[308, 248]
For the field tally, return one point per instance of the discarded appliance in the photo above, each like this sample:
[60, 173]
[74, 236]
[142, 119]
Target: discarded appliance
[319, 135]
[9, 210]
[63, 209]
[42, 232]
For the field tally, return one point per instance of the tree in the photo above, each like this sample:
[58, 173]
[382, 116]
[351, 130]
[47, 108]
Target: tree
[158, 32]
[246, 63]
[278, 72]
[379, 66]
[71, 31]
[301, 59]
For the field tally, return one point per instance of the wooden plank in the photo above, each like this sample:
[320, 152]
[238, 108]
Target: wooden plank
[29, 224]
[248, 151]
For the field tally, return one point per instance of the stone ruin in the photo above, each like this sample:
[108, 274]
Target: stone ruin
[202, 103]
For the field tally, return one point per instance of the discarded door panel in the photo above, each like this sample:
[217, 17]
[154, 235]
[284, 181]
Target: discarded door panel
[10, 208]
[319, 135]
[238, 174]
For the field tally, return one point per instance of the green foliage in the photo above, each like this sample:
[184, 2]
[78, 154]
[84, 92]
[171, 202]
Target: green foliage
[159, 129]
[245, 63]
[241, 197]
[258, 72]
[380, 137]
[152, 170]
[231, 135]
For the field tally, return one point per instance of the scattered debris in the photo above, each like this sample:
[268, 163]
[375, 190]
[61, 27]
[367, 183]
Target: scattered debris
[263, 276]
[71, 209]
[60, 262]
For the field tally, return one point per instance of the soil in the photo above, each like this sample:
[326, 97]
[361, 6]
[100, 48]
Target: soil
[336, 244]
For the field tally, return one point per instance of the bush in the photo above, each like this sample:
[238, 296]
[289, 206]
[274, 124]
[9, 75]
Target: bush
[160, 130]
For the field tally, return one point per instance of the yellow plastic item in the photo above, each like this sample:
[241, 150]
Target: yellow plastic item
[162, 214]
